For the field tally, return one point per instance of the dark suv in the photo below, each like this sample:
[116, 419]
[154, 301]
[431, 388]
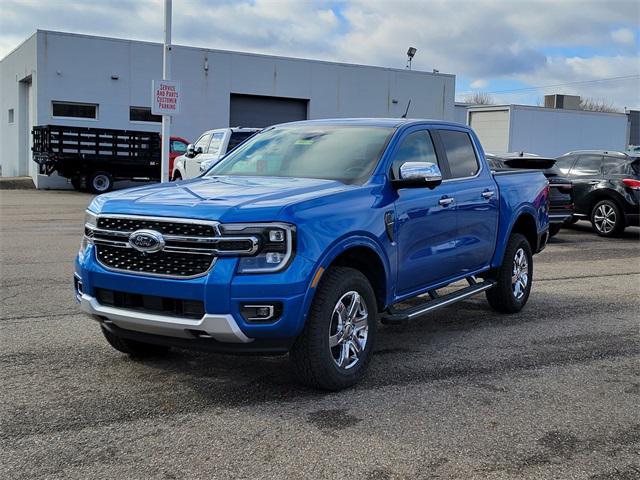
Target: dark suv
[606, 189]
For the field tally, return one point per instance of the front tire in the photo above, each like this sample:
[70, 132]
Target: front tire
[513, 277]
[335, 347]
[100, 182]
[132, 348]
[607, 219]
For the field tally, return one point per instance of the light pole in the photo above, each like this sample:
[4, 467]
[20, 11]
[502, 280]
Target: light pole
[166, 75]
[410, 53]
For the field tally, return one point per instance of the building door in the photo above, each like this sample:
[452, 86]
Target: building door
[259, 111]
[492, 128]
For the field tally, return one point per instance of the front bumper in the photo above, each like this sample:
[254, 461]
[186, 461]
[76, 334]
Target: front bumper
[220, 327]
[222, 292]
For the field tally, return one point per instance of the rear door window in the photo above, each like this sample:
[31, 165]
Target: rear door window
[587, 166]
[615, 166]
[461, 156]
[237, 138]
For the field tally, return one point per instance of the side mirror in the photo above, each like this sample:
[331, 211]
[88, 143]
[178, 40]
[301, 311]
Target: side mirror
[418, 174]
[192, 150]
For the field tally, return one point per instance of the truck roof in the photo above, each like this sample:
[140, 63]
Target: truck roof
[374, 122]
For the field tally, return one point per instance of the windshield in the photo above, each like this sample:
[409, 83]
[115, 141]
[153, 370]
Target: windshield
[344, 153]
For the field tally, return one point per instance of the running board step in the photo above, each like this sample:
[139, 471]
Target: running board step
[398, 317]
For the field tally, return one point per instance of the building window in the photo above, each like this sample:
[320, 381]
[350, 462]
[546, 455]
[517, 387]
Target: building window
[143, 114]
[75, 110]
[10, 117]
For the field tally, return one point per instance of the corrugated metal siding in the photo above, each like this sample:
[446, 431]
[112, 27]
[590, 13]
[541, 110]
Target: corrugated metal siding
[552, 132]
[492, 128]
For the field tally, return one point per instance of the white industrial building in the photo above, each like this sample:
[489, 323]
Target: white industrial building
[80, 80]
[545, 131]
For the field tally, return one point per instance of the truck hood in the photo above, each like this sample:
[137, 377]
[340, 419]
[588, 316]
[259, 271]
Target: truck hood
[223, 198]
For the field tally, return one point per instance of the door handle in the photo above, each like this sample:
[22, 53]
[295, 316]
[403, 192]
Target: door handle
[446, 201]
[488, 194]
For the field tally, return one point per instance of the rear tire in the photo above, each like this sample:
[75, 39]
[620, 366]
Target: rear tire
[77, 183]
[513, 277]
[335, 347]
[607, 219]
[100, 182]
[132, 348]
[554, 229]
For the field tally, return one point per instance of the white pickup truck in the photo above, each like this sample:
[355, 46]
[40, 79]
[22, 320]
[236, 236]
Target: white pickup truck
[208, 149]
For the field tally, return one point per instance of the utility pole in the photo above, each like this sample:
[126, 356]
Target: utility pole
[166, 75]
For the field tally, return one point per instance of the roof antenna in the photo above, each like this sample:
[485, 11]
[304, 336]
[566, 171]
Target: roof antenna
[404, 115]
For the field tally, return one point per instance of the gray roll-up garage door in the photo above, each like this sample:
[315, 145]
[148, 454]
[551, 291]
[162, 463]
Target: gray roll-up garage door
[259, 111]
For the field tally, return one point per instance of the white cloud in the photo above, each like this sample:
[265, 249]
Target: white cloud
[479, 84]
[624, 36]
[533, 41]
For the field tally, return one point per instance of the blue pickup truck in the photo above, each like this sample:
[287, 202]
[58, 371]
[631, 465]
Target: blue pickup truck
[305, 237]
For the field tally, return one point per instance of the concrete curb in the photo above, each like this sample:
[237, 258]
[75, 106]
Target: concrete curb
[16, 183]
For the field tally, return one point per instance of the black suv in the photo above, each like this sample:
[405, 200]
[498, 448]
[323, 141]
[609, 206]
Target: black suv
[606, 188]
[560, 188]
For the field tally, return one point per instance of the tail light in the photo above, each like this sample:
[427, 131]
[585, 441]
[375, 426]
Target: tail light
[547, 194]
[631, 183]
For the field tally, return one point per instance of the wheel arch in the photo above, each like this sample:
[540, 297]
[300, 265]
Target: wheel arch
[526, 225]
[363, 254]
[605, 194]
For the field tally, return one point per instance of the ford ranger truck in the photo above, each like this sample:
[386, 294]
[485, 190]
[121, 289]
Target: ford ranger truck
[305, 237]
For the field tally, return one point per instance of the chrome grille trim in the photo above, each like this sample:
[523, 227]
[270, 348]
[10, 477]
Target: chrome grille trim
[140, 263]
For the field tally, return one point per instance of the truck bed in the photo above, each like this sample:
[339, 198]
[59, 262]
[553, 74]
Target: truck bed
[74, 151]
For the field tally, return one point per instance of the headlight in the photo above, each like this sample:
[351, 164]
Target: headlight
[90, 219]
[90, 223]
[276, 245]
[84, 245]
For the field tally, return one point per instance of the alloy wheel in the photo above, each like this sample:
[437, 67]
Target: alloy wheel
[604, 218]
[349, 330]
[520, 274]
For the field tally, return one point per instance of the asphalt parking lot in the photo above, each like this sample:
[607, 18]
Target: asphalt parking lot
[466, 393]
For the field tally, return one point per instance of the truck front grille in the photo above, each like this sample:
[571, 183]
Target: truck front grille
[189, 247]
[162, 263]
[178, 227]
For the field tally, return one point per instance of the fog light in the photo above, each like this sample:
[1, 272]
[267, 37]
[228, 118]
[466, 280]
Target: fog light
[263, 312]
[274, 257]
[77, 286]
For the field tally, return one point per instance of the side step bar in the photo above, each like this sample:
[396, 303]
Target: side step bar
[398, 317]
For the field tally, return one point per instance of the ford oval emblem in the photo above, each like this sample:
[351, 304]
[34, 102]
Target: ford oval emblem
[146, 241]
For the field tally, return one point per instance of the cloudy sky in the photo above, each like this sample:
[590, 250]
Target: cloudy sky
[508, 48]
